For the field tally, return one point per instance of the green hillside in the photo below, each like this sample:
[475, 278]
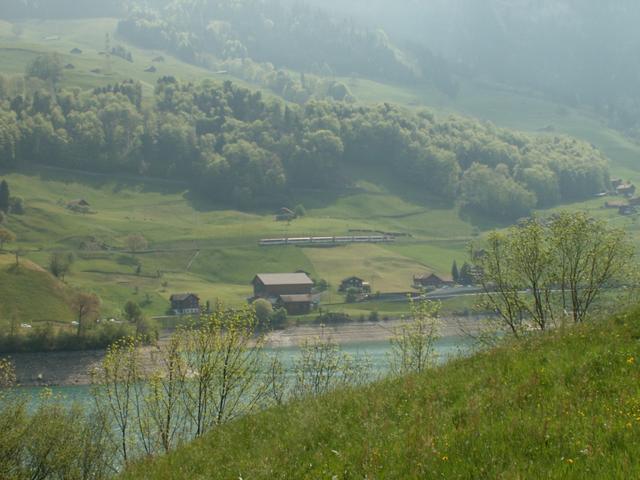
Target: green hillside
[563, 405]
[88, 35]
[33, 294]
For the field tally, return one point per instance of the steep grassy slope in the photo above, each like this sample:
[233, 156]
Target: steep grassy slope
[29, 293]
[563, 405]
[89, 35]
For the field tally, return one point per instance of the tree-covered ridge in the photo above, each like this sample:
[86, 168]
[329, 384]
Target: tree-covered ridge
[298, 36]
[257, 39]
[232, 144]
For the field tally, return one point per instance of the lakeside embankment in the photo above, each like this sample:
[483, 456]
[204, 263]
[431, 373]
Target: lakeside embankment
[73, 368]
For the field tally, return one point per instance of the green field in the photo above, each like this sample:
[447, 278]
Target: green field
[34, 295]
[89, 35]
[178, 226]
[225, 241]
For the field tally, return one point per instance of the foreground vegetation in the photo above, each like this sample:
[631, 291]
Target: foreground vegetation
[559, 405]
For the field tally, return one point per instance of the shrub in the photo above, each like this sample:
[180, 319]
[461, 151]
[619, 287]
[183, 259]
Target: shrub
[16, 205]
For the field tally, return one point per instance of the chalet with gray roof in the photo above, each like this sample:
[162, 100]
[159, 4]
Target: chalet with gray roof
[185, 304]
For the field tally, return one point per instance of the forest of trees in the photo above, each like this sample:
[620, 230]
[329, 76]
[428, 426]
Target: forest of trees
[232, 144]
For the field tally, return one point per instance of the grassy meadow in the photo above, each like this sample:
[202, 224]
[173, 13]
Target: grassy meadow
[561, 405]
[213, 251]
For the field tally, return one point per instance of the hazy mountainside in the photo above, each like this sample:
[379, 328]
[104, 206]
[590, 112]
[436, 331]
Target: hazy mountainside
[17, 9]
[577, 52]
[252, 36]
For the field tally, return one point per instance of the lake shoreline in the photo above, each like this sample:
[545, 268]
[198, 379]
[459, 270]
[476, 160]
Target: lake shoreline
[57, 369]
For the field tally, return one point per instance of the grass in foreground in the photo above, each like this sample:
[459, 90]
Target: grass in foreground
[563, 405]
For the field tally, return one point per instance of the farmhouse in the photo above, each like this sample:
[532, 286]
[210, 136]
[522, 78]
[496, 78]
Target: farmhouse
[291, 291]
[628, 189]
[185, 304]
[285, 215]
[355, 282]
[81, 202]
[430, 281]
[627, 210]
[269, 285]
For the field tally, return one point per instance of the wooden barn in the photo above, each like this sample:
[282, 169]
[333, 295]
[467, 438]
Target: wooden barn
[291, 291]
[295, 304]
[266, 285]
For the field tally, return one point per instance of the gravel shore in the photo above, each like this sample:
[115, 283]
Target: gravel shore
[72, 368]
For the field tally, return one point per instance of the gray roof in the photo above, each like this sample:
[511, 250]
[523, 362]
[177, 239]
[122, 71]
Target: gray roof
[180, 297]
[296, 298]
[284, 279]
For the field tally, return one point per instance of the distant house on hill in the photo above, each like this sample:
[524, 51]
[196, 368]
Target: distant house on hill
[354, 282]
[615, 205]
[430, 281]
[292, 291]
[627, 189]
[616, 182]
[627, 210]
[79, 205]
[285, 215]
[185, 304]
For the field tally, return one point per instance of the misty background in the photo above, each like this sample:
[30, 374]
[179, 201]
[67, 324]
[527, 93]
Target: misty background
[582, 52]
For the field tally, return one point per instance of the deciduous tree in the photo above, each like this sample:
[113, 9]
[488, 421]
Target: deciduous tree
[6, 236]
[85, 305]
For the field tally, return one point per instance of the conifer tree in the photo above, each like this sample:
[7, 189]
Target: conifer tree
[455, 274]
[4, 196]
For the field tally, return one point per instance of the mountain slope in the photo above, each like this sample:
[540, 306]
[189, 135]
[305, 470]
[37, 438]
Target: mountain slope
[33, 294]
[563, 405]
